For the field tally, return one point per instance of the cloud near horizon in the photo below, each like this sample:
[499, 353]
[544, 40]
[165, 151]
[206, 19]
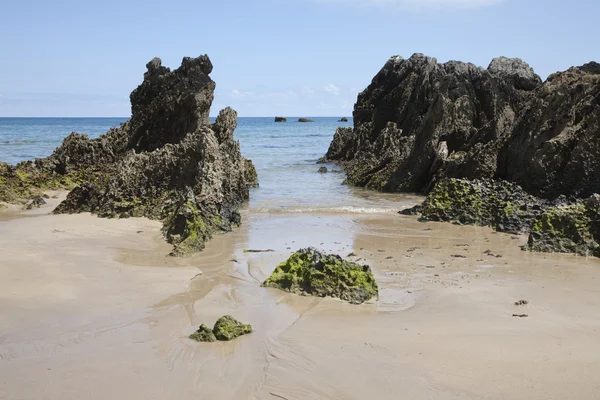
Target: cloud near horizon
[417, 4]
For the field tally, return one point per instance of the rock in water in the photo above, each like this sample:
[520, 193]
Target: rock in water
[227, 328]
[280, 119]
[311, 272]
[420, 121]
[36, 202]
[343, 119]
[305, 120]
[322, 170]
[168, 162]
[203, 334]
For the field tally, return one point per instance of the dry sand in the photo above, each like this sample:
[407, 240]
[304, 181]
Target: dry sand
[94, 309]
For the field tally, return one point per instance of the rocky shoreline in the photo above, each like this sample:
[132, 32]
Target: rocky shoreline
[166, 163]
[495, 147]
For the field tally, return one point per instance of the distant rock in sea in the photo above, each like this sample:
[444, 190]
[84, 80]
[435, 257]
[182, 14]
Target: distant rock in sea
[280, 119]
[305, 120]
[166, 163]
[343, 119]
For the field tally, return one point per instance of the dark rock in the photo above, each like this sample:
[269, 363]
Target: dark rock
[420, 121]
[322, 170]
[343, 119]
[203, 334]
[36, 202]
[305, 120]
[415, 210]
[309, 271]
[501, 205]
[167, 163]
[280, 119]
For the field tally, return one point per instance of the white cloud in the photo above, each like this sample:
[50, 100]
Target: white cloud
[236, 94]
[331, 88]
[307, 90]
[418, 4]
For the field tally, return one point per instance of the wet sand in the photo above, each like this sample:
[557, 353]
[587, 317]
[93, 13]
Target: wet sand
[93, 309]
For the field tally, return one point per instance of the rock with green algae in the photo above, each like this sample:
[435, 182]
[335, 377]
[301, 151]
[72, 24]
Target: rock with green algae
[502, 205]
[573, 228]
[168, 162]
[226, 328]
[311, 272]
[203, 334]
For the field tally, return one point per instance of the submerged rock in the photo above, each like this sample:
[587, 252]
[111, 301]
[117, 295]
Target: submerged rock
[305, 120]
[167, 163]
[502, 205]
[280, 119]
[311, 272]
[226, 328]
[573, 228]
[420, 121]
[322, 170]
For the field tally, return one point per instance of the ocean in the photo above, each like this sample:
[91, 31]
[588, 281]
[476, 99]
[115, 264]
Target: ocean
[285, 156]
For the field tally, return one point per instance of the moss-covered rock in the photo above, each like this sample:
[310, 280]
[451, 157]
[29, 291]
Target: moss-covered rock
[501, 205]
[228, 328]
[570, 228]
[311, 272]
[203, 334]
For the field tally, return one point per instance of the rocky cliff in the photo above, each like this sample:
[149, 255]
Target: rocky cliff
[420, 121]
[167, 162]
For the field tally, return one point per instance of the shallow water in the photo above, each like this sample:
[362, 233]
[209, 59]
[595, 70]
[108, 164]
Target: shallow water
[285, 156]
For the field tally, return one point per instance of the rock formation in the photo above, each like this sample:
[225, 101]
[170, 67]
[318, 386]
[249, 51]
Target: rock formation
[305, 120]
[322, 170]
[167, 162]
[309, 271]
[343, 119]
[226, 328]
[280, 119]
[420, 121]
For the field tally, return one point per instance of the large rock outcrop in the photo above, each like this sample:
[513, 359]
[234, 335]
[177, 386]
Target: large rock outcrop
[167, 162]
[420, 121]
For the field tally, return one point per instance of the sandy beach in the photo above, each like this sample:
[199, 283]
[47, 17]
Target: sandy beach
[93, 308]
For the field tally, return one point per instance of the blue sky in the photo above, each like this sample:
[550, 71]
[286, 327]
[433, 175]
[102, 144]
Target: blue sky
[271, 57]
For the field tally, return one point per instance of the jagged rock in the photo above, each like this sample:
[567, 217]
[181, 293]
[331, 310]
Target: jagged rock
[322, 170]
[36, 202]
[280, 119]
[415, 210]
[204, 334]
[305, 120]
[502, 205]
[227, 328]
[419, 122]
[311, 272]
[573, 228]
[167, 162]
[343, 119]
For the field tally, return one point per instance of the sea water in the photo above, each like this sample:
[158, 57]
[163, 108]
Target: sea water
[285, 155]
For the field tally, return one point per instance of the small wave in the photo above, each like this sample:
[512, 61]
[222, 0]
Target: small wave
[326, 210]
[16, 142]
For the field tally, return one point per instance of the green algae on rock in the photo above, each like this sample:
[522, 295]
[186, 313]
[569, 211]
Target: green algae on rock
[226, 328]
[203, 334]
[311, 272]
[502, 205]
[573, 228]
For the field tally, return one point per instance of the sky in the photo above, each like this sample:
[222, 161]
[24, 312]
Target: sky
[74, 58]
